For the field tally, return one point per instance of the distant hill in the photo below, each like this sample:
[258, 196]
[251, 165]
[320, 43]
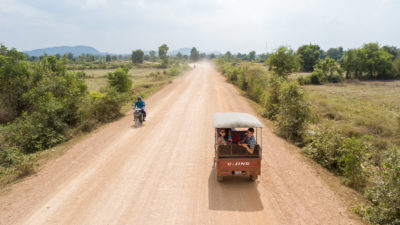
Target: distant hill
[81, 49]
[75, 50]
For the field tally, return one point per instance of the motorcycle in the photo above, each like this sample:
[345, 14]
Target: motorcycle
[138, 117]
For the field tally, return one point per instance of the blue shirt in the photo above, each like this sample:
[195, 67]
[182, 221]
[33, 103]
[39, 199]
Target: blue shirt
[139, 104]
[251, 142]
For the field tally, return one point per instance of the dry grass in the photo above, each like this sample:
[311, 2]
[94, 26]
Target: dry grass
[369, 110]
[97, 78]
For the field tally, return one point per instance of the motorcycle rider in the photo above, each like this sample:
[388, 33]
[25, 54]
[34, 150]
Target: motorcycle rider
[140, 105]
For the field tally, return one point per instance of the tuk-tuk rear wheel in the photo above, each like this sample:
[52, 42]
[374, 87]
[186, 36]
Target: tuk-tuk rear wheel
[220, 178]
[253, 177]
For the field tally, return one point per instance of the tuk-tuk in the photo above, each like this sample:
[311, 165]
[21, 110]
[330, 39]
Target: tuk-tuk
[232, 159]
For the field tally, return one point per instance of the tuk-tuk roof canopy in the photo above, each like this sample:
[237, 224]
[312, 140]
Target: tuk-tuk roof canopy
[235, 120]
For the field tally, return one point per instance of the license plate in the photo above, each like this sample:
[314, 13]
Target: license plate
[238, 172]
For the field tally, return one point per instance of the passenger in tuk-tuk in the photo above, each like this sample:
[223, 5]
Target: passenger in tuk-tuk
[222, 139]
[229, 135]
[249, 142]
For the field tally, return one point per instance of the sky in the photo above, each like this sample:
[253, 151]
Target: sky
[120, 26]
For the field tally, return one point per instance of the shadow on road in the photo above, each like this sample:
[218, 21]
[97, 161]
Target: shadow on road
[233, 194]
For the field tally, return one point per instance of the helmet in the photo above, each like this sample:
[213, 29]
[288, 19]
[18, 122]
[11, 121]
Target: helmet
[139, 98]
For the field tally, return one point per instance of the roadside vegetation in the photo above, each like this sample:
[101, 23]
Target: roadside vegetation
[345, 114]
[46, 101]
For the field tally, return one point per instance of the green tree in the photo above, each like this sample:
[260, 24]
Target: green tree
[108, 58]
[162, 53]
[335, 53]
[376, 62]
[152, 55]
[271, 97]
[137, 56]
[54, 103]
[283, 61]
[228, 56]
[395, 52]
[308, 56]
[325, 71]
[252, 55]
[351, 63]
[179, 56]
[322, 54]
[194, 54]
[293, 113]
[14, 82]
[120, 80]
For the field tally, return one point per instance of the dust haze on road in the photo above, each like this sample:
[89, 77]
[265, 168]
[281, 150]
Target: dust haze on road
[161, 173]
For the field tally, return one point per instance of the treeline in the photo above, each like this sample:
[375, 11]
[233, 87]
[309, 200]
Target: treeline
[138, 56]
[371, 171]
[370, 62]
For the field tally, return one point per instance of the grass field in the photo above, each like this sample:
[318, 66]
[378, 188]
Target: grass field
[97, 78]
[370, 110]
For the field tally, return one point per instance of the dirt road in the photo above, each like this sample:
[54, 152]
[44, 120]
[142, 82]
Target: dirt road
[161, 173]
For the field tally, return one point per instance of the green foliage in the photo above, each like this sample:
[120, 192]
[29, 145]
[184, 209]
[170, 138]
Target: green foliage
[396, 67]
[137, 56]
[339, 154]
[194, 54]
[14, 82]
[43, 105]
[271, 102]
[152, 56]
[162, 53]
[35, 132]
[106, 105]
[11, 157]
[308, 56]
[325, 148]
[369, 62]
[352, 150]
[394, 51]
[252, 80]
[384, 192]
[252, 55]
[326, 71]
[335, 53]
[283, 61]
[108, 58]
[175, 70]
[293, 113]
[120, 80]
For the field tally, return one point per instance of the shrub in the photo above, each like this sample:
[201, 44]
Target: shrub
[106, 105]
[384, 192]
[317, 77]
[343, 156]
[256, 81]
[12, 158]
[324, 148]
[120, 80]
[293, 113]
[271, 102]
[352, 157]
[175, 70]
[34, 132]
[326, 71]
